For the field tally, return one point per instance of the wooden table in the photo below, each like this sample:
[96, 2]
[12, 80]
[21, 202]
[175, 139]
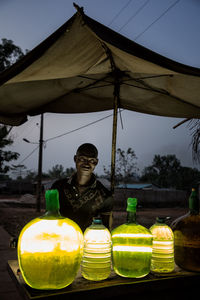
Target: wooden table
[176, 285]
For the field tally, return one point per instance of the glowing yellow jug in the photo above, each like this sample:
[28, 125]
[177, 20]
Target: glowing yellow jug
[163, 247]
[50, 248]
[96, 260]
[131, 246]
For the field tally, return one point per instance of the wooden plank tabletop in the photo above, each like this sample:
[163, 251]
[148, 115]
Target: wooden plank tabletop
[80, 285]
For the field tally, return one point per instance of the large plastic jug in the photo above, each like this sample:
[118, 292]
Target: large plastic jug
[50, 248]
[187, 236]
[163, 247]
[131, 246]
[96, 260]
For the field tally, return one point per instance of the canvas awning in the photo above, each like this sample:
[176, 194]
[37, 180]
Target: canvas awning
[86, 67]
[79, 67]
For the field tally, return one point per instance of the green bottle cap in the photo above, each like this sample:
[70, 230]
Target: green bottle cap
[52, 200]
[97, 220]
[161, 220]
[194, 201]
[131, 204]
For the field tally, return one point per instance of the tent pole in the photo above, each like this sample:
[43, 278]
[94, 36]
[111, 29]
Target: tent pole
[114, 139]
[39, 183]
[116, 74]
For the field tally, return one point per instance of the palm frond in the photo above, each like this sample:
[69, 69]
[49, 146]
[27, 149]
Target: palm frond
[194, 127]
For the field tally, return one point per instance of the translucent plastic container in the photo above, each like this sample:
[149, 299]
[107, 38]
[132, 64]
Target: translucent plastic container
[163, 247]
[187, 236]
[96, 261]
[50, 248]
[131, 246]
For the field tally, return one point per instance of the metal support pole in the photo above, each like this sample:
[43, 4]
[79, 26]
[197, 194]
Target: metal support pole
[39, 183]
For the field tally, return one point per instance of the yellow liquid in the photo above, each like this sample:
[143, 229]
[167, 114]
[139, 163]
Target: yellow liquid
[48, 271]
[96, 260]
[131, 250]
[187, 242]
[49, 253]
[163, 248]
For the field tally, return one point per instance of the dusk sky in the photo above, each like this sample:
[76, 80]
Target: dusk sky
[168, 27]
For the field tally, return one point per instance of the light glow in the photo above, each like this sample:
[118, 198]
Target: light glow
[45, 236]
[163, 243]
[50, 252]
[131, 235]
[132, 248]
[97, 236]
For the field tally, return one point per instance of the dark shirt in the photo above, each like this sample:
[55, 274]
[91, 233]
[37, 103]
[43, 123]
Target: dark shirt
[81, 208]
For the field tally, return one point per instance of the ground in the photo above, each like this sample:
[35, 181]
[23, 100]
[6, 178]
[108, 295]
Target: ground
[14, 216]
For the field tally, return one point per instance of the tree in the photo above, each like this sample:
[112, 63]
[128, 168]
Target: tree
[188, 178]
[164, 171]
[167, 172]
[58, 172]
[6, 156]
[125, 167]
[31, 175]
[9, 54]
[18, 170]
[194, 126]
[69, 172]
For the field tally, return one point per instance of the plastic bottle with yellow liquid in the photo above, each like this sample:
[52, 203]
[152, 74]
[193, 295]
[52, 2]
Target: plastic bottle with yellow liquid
[131, 246]
[96, 260]
[162, 260]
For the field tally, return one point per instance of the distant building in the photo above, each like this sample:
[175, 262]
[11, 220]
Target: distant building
[16, 187]
[138, 186]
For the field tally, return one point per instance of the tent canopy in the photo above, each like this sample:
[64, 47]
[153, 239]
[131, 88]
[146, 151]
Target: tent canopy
[80, 66]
